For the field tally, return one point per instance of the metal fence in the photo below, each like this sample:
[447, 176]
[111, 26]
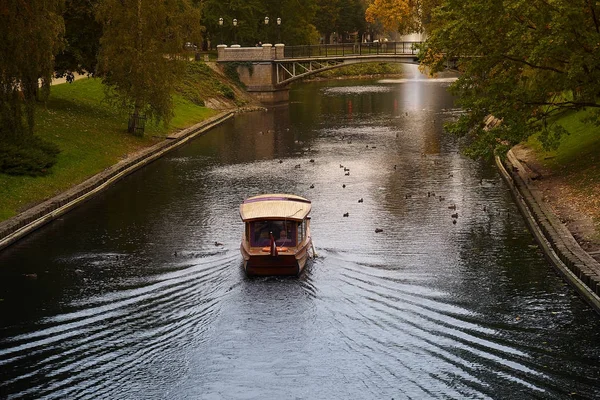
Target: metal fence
[137, 124]
[352, 49]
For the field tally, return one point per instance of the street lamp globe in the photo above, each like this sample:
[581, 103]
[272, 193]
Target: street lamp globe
[266, 28]
[221, 29]
[278, 30]
[235, 21]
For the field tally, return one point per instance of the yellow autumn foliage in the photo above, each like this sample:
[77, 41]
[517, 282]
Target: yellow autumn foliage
[391, 13]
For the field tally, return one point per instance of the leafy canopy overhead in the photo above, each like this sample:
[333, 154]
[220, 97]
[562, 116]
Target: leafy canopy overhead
[523, 61]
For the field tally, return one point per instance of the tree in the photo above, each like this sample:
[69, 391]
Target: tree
[139, 48]
[327, 19]
[297, 27]
[404, 16]
[523, 61]
[296, 16]
[352, 17]
[30, 35]
[82, 39]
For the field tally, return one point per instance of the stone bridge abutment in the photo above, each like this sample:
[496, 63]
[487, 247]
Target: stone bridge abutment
[257, 70]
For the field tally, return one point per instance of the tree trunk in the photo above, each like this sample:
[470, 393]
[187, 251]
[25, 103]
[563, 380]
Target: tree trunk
[136, 125]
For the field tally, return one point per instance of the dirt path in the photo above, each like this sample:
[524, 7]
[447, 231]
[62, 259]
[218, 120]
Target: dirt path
[572, 208]
[58, 81]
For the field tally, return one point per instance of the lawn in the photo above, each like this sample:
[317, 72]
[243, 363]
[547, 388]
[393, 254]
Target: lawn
[91, 135]
[577, 161]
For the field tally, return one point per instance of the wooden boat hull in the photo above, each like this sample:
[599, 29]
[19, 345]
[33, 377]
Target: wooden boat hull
[281, 265]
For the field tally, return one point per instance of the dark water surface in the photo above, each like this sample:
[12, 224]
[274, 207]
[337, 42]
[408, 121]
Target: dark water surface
[133, 300]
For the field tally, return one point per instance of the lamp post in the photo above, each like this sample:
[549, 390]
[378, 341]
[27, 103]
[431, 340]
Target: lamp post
[266, 28]
[235, 31]
[279, 30]
[221, 29]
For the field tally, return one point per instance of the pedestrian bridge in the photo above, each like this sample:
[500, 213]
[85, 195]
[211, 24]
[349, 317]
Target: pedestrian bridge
[268, 70]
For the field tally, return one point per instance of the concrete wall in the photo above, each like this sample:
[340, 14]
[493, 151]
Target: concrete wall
[576, 266]
[274, 96]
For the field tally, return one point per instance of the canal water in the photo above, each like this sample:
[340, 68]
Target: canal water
[129, 296]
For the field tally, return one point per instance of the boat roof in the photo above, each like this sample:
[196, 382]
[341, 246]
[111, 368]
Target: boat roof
[275, 206]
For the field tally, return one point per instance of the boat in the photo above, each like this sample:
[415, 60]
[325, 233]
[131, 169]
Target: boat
[276, 238]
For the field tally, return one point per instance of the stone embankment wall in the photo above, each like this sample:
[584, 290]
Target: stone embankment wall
[576, 266]
[266, 52]
[15, 228]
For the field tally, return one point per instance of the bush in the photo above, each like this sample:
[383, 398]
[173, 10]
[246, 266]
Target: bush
[227, 91]
[33, 157]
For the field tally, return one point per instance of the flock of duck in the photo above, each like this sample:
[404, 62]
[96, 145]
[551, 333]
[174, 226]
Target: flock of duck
[454, 216]
[346, 171]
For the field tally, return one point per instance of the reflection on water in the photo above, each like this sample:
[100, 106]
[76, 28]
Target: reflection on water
[450, 299]
[420, 79]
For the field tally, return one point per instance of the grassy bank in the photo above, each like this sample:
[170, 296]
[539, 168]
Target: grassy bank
[368, 69]
[576, 162]
[92, 135]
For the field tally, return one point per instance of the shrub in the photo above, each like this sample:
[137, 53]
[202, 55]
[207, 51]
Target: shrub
[32, 157]
[226, 91]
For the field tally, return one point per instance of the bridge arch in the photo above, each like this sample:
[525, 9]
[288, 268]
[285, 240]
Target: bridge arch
[289, 71]
[268, 71]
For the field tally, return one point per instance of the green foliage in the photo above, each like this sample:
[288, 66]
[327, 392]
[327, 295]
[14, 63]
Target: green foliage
[89, 133]
[138, 61]
[296, 16]
[579, 148]
[352, 17]
[226, 91]
[189, 86]
[33, 157]
[576, 160]
[30, 35]
[82, 39]
[200, 83]
[328, 16]
[231, 71]
[521, 61]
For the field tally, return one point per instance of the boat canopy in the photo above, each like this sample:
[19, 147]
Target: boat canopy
[275, 206]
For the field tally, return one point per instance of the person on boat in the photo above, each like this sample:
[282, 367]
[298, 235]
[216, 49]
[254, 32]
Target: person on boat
[283, 238]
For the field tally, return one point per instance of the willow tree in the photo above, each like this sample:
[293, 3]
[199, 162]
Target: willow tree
[522, 61]
[139, 53]
[30, 35]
